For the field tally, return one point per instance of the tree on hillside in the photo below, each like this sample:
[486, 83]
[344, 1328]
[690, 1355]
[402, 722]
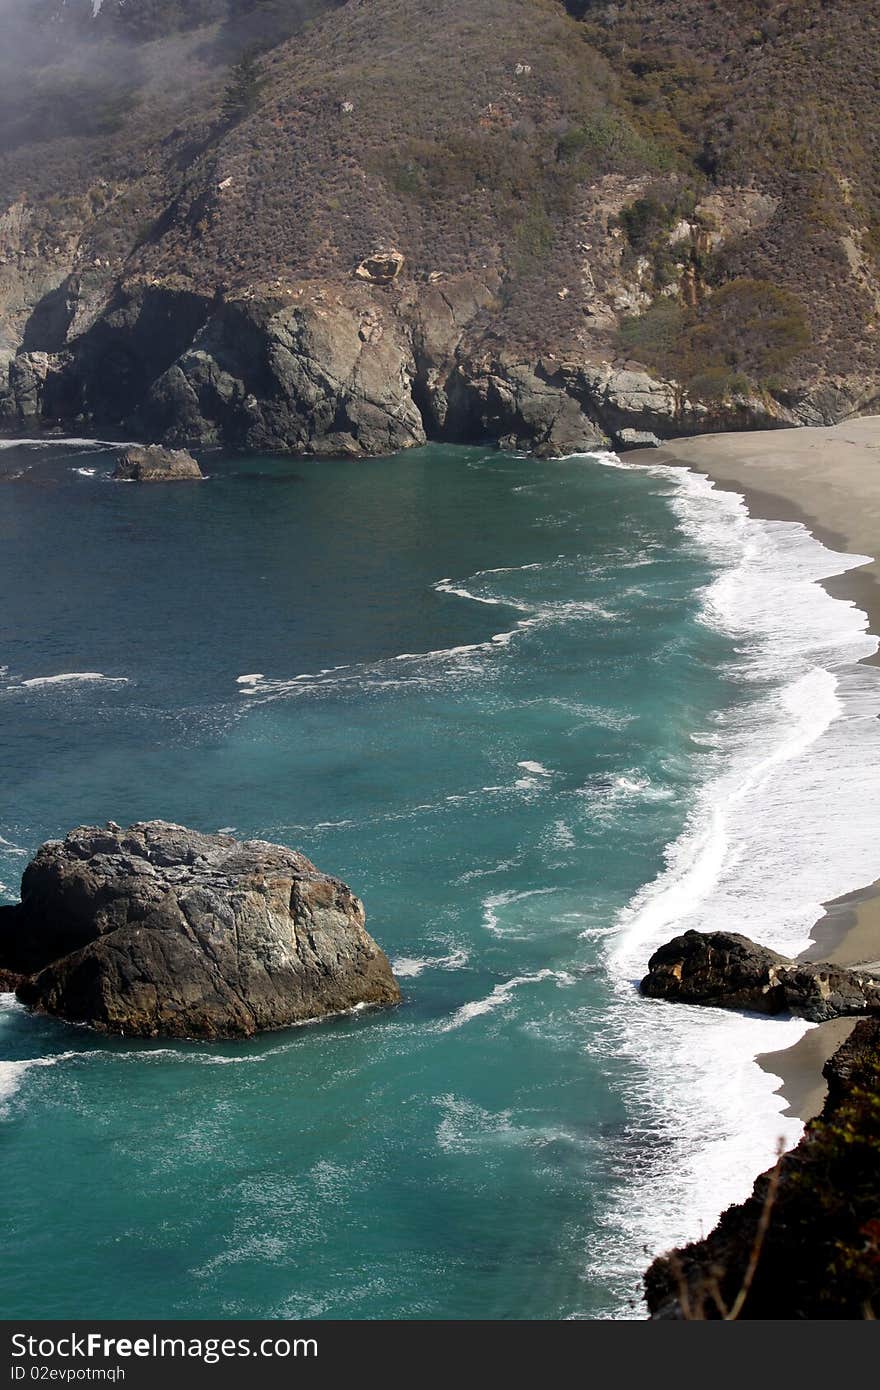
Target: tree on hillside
[243, 88]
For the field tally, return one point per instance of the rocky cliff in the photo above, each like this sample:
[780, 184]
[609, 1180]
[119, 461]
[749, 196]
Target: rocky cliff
[159, 930]
[522, 221]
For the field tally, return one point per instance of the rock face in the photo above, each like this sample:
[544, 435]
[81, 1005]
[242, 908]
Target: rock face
[273, 371]
[518, 406]
[381, 268]
[819, 1256]
[635, 439]
[152, 464]
[350, 369]
[159, 930]
[728, 971]
[371, 365]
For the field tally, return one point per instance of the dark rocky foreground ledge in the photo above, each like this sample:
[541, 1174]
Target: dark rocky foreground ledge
[728, 971]
[162, 931]
[806, 1244]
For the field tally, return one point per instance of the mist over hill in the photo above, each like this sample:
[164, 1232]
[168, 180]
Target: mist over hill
[661, 217]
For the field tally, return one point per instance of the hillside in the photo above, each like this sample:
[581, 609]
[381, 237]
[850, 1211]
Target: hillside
[653, 216]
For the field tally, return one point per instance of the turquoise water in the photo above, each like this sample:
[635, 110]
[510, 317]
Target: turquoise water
[466, 683]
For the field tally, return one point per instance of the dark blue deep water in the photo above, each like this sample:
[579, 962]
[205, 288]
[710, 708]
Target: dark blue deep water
[464, 682]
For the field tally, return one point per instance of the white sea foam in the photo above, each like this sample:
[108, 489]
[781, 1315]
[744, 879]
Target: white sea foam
[500, 996]
[488, 870]
[443, 666]
[772, 836]
[468, 1128]
[50, 442]
[446, 586]
[560, 836]
[68, 678]
[427, 670]
[13, 1071]
[496, 918]
[411, 670]
[507, 569]
[408, 967]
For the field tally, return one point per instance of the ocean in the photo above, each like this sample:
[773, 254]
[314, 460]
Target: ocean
[541, 717]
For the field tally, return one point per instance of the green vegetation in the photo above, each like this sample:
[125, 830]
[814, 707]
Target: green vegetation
[743, 336]
[607, 142]
[654, 336]
[242, 93]
[842, 1182]
[649, 218]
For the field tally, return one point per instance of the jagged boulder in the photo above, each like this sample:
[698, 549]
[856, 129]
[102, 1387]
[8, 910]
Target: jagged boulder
[151, 463]
[381, 267]
[160, 930]
[728, 971]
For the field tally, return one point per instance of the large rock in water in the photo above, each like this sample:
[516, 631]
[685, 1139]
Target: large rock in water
[160, 930]
[151, 463]
[729, 971]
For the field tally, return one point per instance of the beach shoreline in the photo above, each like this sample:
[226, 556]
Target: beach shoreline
[828, 479]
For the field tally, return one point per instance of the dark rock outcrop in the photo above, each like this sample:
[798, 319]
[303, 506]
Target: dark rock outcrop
[159, 930]
[727, 971]
[806, 1244]
[520, 407]
[347, 368]
[151, 463]
[272, 370]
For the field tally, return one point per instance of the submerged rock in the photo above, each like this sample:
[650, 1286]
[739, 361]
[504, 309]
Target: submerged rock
[728, 971]
[159, 930]
[151, 463]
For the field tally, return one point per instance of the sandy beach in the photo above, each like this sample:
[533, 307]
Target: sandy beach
[829, 479]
